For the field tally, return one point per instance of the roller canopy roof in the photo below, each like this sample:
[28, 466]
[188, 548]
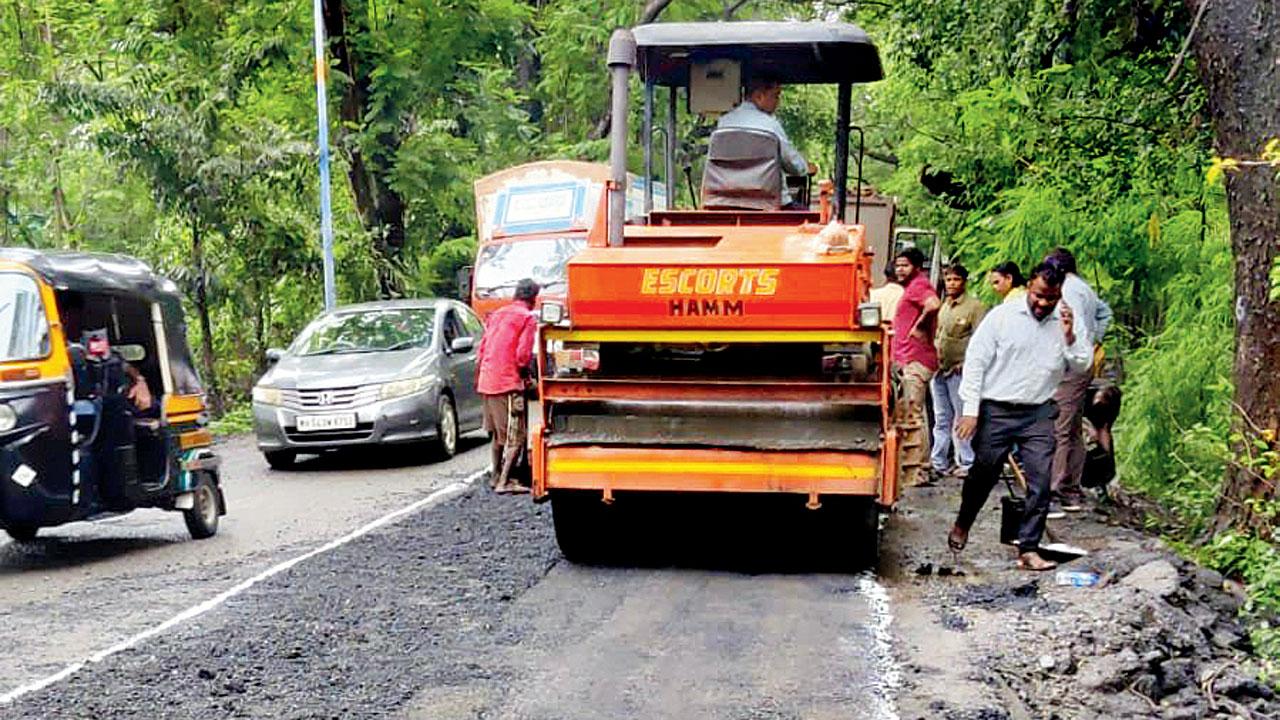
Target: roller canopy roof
[95, 273]
[789, 52]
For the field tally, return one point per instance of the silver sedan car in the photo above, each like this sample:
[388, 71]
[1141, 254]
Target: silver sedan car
[399, 371]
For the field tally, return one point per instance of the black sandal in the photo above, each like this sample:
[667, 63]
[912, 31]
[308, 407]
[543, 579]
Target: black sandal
[955, 544]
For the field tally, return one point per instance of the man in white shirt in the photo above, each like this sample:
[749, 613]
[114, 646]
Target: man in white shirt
[1012, 368]
[1093, 315]
[755, 112]
[888, 295]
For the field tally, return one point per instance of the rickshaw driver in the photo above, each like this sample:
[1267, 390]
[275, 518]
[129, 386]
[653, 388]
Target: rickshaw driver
[756, 112]
[141, 401]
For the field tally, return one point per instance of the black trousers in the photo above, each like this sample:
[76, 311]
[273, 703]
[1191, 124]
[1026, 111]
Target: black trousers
[1001, 426]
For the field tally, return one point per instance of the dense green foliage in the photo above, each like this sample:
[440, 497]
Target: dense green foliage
[183, 132]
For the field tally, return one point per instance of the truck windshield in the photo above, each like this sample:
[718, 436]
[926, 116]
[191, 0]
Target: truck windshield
[24, 330]
[500, 266]
[367, 332]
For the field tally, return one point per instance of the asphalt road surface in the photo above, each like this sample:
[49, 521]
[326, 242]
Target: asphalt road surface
[460, 606]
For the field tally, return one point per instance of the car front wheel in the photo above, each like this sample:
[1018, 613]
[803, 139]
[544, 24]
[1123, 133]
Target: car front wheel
[22, 533]
[446, 443]
[280, 459]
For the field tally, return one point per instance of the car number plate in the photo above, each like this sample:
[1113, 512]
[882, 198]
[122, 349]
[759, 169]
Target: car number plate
[321, 423]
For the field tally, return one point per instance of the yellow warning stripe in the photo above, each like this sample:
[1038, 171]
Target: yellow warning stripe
[708, 336]
[672, 467]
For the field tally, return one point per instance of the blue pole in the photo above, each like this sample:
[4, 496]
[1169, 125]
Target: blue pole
[322, 112]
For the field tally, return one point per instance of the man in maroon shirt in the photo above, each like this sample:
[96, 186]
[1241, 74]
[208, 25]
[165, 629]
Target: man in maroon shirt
[915, 361]
[502, 366]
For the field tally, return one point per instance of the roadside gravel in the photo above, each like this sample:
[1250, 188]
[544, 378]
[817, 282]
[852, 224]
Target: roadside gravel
[1157, 637]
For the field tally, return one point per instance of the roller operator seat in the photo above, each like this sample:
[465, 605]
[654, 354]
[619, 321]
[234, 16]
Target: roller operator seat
[743, 171]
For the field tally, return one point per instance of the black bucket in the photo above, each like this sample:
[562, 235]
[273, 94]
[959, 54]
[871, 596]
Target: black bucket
[1011, 511]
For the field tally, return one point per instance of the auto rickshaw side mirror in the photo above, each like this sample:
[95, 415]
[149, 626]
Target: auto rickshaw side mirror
[132, 353]
[274, 355]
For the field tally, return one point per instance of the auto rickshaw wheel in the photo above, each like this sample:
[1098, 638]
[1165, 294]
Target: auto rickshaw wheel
[22, 533]
[202, 518]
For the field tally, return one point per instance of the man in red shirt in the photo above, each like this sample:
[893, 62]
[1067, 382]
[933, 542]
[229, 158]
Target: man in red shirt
[915, 360]
[502, 366]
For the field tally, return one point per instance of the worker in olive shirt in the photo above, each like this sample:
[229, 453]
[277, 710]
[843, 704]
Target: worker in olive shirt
[1012, 369]
[958, 318]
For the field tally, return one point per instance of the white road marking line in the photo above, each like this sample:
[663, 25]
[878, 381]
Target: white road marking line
[882, 650]
[444, 493]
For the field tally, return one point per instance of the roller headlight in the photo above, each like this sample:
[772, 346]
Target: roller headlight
[8, 418]
[869, 315]
[404, 388]
[266, 395]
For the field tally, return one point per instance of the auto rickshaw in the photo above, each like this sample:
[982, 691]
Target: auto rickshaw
[101, 409]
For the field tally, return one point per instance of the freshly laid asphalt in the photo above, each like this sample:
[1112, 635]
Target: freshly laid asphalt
[463, 609]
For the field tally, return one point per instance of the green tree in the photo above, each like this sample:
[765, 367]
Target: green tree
[172, 121]
[405, 72]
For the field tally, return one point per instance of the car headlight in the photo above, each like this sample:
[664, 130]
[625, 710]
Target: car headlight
[8, 418]
[404, 388]
[552, 313]
[869, 315]
[266, 395]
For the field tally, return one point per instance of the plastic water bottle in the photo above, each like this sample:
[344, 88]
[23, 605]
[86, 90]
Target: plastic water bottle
[1075, 578]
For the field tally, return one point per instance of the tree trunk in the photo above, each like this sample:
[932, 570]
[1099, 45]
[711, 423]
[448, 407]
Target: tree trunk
[61, 218]
[261, 305]
[380, 207]
[7, 237]
[528, 73]
[1235, 49]
[206, 325]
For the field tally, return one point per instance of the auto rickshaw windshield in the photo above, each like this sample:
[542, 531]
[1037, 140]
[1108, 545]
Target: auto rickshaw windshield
[24, 329]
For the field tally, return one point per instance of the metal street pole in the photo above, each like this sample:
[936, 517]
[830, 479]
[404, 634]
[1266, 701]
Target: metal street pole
[322, 113]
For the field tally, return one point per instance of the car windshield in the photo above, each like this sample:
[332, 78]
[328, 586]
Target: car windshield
[24, 330]
[499, 267]
[367, 331]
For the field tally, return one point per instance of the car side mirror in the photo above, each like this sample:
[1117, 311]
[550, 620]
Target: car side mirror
[463, 278]
[132, 353]
[274, 355]
[462, 344]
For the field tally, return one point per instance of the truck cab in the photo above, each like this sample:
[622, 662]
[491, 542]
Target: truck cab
[531, 220]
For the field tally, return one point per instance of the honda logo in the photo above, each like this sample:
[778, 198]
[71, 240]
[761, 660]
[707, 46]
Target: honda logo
[326, 397]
